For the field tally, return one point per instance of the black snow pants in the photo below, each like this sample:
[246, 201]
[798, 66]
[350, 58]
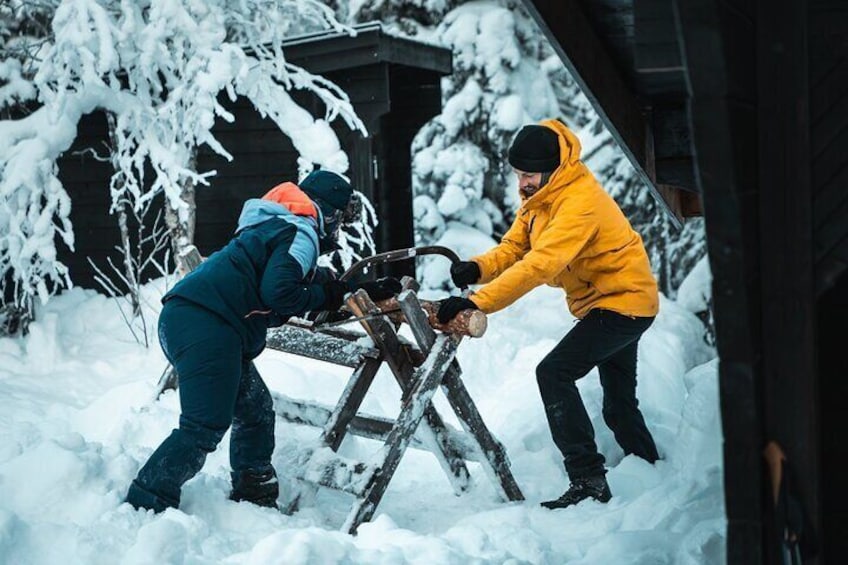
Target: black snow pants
[607, 340]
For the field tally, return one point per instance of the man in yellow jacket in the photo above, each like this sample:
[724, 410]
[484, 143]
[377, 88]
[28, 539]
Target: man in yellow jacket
[571, 234]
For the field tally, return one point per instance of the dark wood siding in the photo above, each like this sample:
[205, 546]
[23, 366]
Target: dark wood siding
[723, 118]
[828, 111]
[262, 158]
[829, 135]
[416, 97]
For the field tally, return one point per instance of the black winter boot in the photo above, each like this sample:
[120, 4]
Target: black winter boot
[258, 487]
[588, 487]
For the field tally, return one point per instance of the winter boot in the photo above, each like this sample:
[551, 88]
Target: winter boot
[588, 487]
[258, 487]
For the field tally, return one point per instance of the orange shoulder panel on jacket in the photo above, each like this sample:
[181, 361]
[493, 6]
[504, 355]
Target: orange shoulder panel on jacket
[292, 197]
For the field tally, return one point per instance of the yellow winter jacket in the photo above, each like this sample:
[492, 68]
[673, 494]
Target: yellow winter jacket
[570, 234]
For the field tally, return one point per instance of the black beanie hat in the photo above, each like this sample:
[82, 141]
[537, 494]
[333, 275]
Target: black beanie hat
[327, 188]
[535, 149]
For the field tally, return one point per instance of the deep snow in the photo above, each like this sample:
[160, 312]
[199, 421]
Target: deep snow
[78, 417]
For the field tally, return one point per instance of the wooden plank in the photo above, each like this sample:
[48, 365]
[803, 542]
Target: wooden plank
[656, 83]
[451, 461]
[659, 57]
[790, 387]
[496, 461]
[349, 403]
[322, 466]
[300, 341]
[726, 166]
[369, 426]
[655, 36]
[673, 147]
[424, 383]
[332, 51]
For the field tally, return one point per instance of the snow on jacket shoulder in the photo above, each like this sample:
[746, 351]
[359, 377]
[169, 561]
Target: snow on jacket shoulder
[570, 234]
[262, 276]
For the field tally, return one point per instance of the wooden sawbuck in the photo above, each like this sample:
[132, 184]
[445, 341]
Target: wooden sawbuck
[420, 369]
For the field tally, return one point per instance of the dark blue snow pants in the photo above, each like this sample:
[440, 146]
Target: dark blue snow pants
[218, 388]
[609, 341]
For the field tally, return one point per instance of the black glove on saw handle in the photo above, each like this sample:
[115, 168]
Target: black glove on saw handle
[452, 306]
[334, 293]
[464, 273]
[380, 289]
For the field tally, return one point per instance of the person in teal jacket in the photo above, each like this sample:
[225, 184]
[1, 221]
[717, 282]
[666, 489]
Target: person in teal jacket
[213, 324]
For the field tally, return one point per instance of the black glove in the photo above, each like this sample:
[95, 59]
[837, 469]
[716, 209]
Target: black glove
[452, 306]
[323, 274]
[381, 289]
[328, 317]
[334, 293]
[465, 273]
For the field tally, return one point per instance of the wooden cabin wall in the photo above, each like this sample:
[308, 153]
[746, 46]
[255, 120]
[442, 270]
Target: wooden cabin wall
[828, 82]
[828, 118]
[833, 392]
[719, 47]
[262, 158]
[416, 98]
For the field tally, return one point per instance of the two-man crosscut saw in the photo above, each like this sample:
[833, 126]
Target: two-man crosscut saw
[398, 255]
[365, 264]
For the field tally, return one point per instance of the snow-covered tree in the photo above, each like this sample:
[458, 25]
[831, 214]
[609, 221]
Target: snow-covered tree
[158, 67]
[24, 32]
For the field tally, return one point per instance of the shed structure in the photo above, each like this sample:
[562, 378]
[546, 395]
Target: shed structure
[738, 110]
[394, 86]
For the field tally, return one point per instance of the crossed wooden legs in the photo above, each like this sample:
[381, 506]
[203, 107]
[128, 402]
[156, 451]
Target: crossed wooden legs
[368, 482]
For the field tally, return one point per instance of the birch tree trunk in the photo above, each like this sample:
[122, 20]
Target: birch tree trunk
[126, 242]
[182, 232]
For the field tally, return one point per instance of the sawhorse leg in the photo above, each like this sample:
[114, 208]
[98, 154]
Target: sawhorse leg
[424, 383]
[494, 455]
[386, 339]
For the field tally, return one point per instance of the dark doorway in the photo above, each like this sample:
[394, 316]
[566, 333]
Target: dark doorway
[833, 379]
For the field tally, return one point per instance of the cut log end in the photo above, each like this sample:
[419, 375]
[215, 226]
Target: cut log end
[472, 323]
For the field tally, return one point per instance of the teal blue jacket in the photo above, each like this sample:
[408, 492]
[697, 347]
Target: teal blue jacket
[263, 276]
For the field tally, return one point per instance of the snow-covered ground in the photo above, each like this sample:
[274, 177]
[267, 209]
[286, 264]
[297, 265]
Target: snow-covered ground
[78, 418]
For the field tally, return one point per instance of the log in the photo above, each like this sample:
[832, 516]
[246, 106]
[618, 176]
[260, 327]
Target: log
[469, 322]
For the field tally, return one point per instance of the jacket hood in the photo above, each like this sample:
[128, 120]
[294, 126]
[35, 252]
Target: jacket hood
[256, 211]
[570, 166]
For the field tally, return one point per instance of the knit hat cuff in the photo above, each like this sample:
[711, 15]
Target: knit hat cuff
[544, 165]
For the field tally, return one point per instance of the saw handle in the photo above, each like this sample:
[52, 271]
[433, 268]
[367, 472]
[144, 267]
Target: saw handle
[399, 255]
